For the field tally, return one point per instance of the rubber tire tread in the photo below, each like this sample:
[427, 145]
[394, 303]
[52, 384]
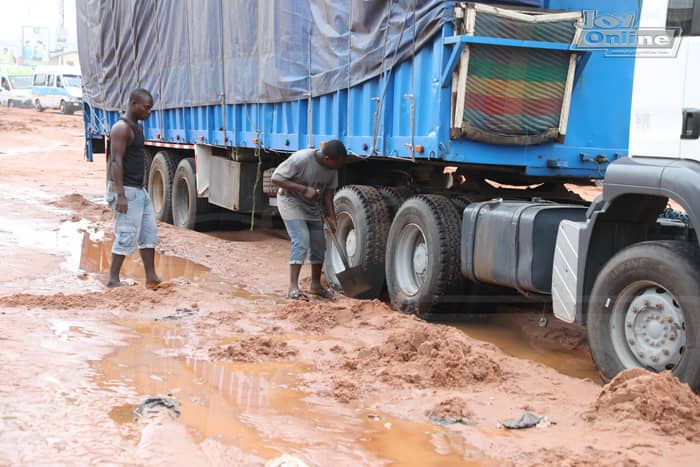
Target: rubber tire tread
[375, 231]
[394, 197]
[461, 201]
[167, 164]
[442, 214]
[675, 265]
[147, 162]
[187, 168]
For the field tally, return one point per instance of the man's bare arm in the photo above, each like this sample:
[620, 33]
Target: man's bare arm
[120, 137]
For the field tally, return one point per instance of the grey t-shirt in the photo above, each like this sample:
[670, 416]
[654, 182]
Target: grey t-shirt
[303, 168]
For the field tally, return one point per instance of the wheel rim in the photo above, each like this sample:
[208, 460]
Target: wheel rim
[347, 237]
[648, 327]
[182, 194]
[157, 191]
[411, 260]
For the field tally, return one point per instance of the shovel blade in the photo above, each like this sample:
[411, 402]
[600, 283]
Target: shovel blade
[353, 282]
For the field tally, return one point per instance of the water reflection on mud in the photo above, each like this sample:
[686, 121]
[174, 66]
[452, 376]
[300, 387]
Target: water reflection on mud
[257, 407]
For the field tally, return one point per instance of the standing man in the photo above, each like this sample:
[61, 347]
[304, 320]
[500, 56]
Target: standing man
[306, 179]
[134, 218]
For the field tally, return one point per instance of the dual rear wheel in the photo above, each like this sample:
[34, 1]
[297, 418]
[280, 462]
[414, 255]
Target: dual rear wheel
[172, 184]
[409, 248]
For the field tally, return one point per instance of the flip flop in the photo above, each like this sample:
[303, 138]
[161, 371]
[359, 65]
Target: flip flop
[159, 285]
[124, 283]
[323, 293]
[298, 295]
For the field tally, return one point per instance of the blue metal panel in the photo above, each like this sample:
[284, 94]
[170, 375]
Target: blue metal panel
[508, 42]
[376, 114]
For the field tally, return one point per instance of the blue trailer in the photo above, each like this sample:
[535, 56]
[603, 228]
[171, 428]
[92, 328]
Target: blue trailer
[464, 121]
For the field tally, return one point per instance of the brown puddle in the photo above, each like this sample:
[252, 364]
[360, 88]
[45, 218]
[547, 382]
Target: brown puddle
[256, 408]
[552, 346]
[95, 256]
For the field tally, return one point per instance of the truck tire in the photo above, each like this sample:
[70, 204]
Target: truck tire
[394, 197]
[644, 311]
[160, 185]
[147, 161]
[422, 265]
[37, 106]
[363, 225]
[187, 207]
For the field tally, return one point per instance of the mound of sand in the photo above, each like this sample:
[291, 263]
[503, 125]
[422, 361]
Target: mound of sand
[660, 399]
[122, 298]
[425, 356]
[82, 206]
[320, 317]
[345, 390]
[454, 408]
[253, 349]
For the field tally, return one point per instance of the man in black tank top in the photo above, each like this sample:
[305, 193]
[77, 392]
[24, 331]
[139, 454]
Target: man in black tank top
[134, 218]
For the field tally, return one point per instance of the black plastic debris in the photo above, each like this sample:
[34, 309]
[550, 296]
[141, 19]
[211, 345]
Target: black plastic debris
[526, 420]
[151, 405]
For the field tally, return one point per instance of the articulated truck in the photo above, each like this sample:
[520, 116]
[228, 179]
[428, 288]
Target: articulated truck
[466, 123]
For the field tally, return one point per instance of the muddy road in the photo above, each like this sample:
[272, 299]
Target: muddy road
[248, 376]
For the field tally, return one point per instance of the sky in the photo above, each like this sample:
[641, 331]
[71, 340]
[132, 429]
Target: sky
[43, 14]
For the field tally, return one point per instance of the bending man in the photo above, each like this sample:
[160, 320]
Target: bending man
[306, 179]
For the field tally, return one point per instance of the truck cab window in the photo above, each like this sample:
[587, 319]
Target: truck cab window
[684, 14]
[58, 82]
[49, 80]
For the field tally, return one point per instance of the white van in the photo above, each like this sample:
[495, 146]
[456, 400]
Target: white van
[15, 86]
[57, 87]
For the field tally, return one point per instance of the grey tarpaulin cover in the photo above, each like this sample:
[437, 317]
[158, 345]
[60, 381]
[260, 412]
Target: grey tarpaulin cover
[200, 52]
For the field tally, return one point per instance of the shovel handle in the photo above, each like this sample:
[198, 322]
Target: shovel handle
[336, 243]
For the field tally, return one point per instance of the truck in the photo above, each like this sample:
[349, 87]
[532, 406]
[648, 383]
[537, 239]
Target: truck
[466, 123]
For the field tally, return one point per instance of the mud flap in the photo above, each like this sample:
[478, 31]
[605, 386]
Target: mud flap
[565, 271]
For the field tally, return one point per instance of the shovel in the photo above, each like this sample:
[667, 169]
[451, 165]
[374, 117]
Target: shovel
[352, 280]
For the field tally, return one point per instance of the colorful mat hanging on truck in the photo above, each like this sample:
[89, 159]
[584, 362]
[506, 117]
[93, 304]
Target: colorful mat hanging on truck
[515, 95]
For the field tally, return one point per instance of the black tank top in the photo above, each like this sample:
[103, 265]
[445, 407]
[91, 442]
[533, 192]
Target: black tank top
[134, 162]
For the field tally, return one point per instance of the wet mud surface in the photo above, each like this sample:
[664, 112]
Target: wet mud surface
[256, 376]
